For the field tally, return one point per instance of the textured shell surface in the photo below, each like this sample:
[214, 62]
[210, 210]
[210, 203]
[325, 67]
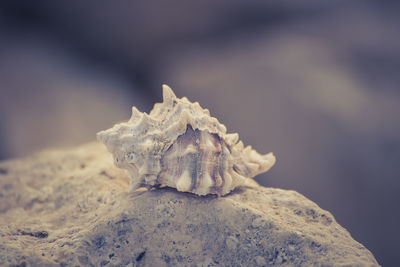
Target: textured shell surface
[178, 144]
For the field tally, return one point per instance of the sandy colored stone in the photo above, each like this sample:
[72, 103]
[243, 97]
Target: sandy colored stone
[71, 207]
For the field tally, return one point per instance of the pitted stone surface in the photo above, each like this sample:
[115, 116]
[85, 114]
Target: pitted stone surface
[71, 207]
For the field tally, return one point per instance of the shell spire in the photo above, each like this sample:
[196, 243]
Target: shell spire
[180, 145]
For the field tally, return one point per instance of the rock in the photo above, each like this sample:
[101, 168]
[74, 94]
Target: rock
[71, 207]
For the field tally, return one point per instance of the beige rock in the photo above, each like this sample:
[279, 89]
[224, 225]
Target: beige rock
[67, 208]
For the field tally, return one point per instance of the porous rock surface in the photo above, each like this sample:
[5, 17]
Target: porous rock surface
[71, 208]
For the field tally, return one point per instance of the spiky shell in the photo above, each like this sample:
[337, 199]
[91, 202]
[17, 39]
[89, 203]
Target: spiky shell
[180, 145]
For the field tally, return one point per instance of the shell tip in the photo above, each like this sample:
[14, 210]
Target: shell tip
[136, 114]
[168, 94]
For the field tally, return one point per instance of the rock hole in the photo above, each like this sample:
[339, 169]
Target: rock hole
[99, 241]
[39, 234]
[3, 171]
[104, 263]
[140, 256]
[106, 174]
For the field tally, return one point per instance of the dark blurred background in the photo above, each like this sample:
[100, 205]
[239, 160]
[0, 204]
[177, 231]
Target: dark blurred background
[316, 82]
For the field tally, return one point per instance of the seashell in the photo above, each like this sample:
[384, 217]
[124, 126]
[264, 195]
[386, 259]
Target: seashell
[178, 144]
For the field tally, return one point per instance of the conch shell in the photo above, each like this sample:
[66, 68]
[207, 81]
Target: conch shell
[181, 146]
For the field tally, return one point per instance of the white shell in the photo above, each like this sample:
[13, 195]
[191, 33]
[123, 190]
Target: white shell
[180, 145]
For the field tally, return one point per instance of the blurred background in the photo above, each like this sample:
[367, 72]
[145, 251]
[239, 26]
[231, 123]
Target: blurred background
[316, 82]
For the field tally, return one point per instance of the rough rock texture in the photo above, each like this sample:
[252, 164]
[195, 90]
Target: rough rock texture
[70, 207]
